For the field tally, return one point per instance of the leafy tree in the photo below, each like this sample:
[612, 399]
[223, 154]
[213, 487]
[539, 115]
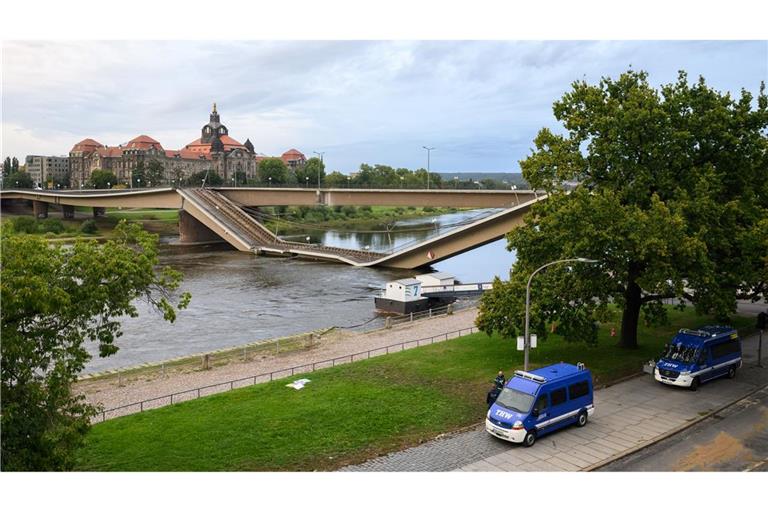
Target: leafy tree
[102, 179]
[72, 296]
[211, 178]
[336, 180]
[155, 173]
[7, 167]
[672, 199]
[273, 168]
[139, 175]
[18, 180]
[14, 165]
[311, 170]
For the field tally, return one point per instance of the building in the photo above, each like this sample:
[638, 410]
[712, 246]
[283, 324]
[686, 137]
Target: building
[47, 171]
[214, 151]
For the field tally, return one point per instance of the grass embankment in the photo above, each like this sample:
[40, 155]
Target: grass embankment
[348, 413]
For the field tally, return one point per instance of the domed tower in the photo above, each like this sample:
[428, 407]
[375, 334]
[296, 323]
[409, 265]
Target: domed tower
[216, 145]
[249, 146]
[213, 128]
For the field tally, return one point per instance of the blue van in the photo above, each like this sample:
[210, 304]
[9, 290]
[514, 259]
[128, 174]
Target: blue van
[696, 356]
[541, 401]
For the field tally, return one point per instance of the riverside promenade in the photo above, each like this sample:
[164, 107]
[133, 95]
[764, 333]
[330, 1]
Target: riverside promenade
[113, 391]
[628, 416]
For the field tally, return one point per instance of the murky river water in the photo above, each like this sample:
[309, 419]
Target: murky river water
[238, 298]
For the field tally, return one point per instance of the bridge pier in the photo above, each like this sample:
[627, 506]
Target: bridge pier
[193, 231]
[99, 211]
[68, 210]
[40, 209]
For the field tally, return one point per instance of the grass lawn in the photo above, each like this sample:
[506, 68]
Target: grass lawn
[348, 413]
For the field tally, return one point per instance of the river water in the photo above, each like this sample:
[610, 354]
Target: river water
[239, 298]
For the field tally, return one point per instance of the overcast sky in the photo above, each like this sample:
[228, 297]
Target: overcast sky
[479, 104]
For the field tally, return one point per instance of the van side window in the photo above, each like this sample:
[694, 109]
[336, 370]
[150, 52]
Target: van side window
[578, 390]
[724, 349]
[557, 396]
[541, 403]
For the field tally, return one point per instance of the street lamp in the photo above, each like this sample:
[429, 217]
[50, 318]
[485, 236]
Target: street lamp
[306, 181]
[514, 189]
[320, 154]
[429, 150]
[270, 181]
[109, 185]
[456, 182]
[527, 341]
[402, 179]
[348, 178]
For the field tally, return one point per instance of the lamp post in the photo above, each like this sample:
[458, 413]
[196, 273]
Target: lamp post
[320, 154]
[527, 342]
[429, 150]
[348, 181]
[306, 181]
[456, 182]
[270, 182]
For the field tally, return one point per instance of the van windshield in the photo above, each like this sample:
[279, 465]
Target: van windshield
[680, 352]
[515, 400]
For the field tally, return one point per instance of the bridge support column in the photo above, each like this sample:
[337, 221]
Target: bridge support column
[40, 209]
[68, 210]
[99, 211]
[193, 231]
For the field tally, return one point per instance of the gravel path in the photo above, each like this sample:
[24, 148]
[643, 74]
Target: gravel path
[110, 394]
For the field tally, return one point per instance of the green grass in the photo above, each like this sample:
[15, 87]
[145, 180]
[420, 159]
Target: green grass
[348, 413]
[160, 215]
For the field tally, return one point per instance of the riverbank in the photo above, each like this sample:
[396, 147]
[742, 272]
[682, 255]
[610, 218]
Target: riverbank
[353, 412]
[113, 389]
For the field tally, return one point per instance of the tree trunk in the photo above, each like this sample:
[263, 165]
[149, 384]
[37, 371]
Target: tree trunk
[631, 315]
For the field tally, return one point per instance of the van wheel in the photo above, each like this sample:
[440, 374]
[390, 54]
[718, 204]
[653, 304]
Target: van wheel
[694, 384]
[731, 372]
[530, 438]
[582, 419]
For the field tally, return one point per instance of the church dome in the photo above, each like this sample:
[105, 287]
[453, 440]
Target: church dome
[143, 142]
[86, 145]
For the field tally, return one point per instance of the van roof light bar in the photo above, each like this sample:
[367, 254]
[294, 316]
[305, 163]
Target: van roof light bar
[694, 332]
[530, 376]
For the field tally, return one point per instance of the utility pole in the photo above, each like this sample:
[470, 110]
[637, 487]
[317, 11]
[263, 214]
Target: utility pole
[320, 154]
[429, 150]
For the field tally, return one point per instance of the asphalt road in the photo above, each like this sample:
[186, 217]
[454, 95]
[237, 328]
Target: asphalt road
[735, 439]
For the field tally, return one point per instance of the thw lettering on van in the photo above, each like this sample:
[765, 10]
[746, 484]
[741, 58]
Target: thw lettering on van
[503, 414]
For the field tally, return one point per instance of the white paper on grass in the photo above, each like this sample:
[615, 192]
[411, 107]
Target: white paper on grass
[298, 384]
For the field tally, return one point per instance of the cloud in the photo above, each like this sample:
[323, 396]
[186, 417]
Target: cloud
[480, 102]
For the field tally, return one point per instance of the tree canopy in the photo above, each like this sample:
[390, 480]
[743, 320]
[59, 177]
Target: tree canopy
[102, 179]
[671, 197]
[308, 173]
[55, 300]
[19, 179]
[273, 168]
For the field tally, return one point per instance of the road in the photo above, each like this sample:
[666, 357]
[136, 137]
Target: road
[735, 439]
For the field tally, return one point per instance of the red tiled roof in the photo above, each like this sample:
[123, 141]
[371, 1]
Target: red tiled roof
[186, 154]
[200, 147]
[113, 152]
[86, 145]
[143, 142]
[293, 154]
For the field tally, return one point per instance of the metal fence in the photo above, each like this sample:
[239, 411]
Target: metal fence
[211, 389]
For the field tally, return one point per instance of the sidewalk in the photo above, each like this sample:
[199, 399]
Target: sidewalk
[627, 416]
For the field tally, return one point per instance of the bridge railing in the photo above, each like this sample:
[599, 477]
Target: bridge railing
[189, 394]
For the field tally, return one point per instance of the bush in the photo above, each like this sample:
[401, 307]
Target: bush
[349, 211]
[54, 226]
[89, 227]
[25, 225]
[428, 209]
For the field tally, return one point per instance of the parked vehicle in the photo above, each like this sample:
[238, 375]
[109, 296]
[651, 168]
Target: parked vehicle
[696, 356]
[541, 401]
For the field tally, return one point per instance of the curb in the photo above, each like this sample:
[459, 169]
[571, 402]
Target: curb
[676, 430]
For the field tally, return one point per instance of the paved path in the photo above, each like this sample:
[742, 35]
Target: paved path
[627, 415]
[734, 439]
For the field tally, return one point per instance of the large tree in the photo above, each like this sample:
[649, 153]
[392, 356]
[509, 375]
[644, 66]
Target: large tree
[671, 197]
[311, 173]
[55, 300]
[18, 179]
[273, 170]
[102, 179]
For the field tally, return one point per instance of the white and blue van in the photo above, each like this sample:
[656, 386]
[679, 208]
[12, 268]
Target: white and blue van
[696, 356]
[541, 401]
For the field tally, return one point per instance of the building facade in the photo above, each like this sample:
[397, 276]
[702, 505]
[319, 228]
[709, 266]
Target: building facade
[46, 171]
[214, 151]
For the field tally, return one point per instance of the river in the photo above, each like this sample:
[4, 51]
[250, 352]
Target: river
[239, 298]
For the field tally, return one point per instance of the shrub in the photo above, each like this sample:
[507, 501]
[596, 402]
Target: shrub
[54, 226]
[25, 225]
[89, 227]
[349, 211]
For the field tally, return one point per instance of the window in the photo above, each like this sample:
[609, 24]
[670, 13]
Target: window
[725, 349]
[578, 390]
[557, 396]
[541, 403]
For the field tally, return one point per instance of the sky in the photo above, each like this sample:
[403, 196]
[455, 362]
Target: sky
[478, 103]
